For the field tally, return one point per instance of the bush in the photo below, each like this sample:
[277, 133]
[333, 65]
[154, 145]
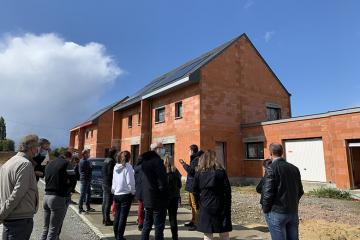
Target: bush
[7, 145]
[327, 192]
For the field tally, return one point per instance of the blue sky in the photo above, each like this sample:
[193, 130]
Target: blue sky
[312, 46]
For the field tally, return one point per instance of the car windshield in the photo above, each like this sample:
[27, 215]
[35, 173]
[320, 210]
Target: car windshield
[97, 164]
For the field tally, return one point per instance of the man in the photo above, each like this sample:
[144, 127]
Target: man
[154, 191]
[57, 194]
[281, 192]
[190, 170]
[107, 173]
[85, 170]
[19, 196]
[41, 156]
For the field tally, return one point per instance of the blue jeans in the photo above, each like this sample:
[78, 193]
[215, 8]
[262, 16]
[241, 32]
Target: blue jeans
[156, 217]
[283, 226]
[19, 229]
[85, 195]
[122, 206]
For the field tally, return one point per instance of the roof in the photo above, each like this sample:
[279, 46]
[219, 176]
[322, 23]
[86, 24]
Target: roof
[306, 117]
[97, 114]
[176, 74]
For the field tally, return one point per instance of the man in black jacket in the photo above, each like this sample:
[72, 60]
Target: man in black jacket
[38, 159]
[154, 191]
[190, 170]
[57, 190]
[281, 192]
[107, 173]
[85, 170]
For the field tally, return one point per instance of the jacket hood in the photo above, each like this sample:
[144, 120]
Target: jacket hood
[119, 167]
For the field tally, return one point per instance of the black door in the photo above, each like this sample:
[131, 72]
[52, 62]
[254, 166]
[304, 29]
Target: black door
[134, 154]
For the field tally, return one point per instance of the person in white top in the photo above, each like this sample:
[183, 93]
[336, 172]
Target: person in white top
[123, 188]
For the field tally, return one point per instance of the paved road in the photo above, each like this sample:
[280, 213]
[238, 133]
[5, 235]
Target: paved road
[73, 229]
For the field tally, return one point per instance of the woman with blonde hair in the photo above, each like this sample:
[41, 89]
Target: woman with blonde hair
[212, 186]
[123, 188]
[174, 179]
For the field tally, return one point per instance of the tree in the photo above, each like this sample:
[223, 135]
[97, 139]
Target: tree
[2, 129]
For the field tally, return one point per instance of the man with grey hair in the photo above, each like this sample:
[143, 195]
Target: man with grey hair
[19, 195]
[281, 192]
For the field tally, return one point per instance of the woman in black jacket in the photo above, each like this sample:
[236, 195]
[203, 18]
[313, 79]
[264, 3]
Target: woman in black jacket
[259, 187]
[212, 185]
[174, 179]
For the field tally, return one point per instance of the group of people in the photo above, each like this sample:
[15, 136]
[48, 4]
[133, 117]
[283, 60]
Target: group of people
[153, 181]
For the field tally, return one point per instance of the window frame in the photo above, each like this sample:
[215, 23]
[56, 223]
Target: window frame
[157, 110]
[130, 120]
[268, 113]
[177, 104]
[257, 157]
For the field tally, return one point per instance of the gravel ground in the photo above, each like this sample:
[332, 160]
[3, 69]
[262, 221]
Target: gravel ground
[73, 229]
[247, 210]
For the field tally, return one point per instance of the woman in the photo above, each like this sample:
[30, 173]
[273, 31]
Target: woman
[174, 179]
[123, 188]
[266, 164]
[212, 186]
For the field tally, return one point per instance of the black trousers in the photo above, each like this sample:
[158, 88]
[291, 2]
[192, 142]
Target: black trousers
[107, 202]
[172, 212]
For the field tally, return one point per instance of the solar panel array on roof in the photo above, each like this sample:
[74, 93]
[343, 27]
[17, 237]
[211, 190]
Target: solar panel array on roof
[177, 73]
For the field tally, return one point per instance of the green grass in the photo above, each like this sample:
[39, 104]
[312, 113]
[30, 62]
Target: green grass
[326, 192]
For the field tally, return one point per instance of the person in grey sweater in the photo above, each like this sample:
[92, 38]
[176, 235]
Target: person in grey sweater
[19, 195]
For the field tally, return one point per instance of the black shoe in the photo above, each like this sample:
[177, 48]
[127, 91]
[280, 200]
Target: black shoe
[81, 211]
[192, 228]
[108, 223]
[140, 227]
[90, 210]
[189, 224]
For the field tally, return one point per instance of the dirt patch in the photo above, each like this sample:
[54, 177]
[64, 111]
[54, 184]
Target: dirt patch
[4, 156]
[320, 229]
[320, 218]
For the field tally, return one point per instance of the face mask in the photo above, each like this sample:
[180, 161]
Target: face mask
[43, 152]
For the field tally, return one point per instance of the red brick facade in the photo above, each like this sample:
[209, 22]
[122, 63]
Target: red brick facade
[233, 90]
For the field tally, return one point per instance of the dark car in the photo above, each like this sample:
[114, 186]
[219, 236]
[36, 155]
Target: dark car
[97, 179]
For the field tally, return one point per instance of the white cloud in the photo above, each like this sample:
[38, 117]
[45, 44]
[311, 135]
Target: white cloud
[48, 84]
[269, 35]
[248, 4]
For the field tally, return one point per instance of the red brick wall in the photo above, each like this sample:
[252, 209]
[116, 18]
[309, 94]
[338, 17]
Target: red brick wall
[186, 129]
[104, 133]
[126, 132]
[90, 142]
[334, 131]
[235, 88]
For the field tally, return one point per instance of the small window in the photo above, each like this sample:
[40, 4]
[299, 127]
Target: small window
[139, 119]
[91, 134]
[178, 110]
[87, 134]
[160, 115]
[255, 150]
[130, 121]
[273, 113]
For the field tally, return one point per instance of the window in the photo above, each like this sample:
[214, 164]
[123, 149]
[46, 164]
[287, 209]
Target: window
[273, 113]
[160, 115]
[87, 134]
[139, 119]
[220, 149]
[255, 150]
[169, 149]
[130, 121]
[178, 110]
[91, 134]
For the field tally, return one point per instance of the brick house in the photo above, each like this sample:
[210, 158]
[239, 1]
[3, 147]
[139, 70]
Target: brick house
[94, 133]
[230, 100]
[203, 102]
